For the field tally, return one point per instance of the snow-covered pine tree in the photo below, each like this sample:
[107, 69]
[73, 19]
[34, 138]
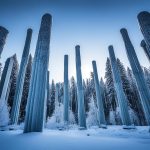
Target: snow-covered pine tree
[56, 120]
[92, 83]
[110, 85]
[92, 87]
[48, 97]
[70, 104]
[89, 91]
[91, 119]
[0, 70]
[48, 105]
[25, 90]
[4, 114]
[124, 78]
[84, 89]
[111, 94]
[135, 102]
[61, 93]
[128, 91]
[133, 116]
[112, 117]
[58, 115]
[147, 76]
[13, 81]
[73, 92]
[52, 99]
[5, 88]
[86, 95]
[57, 88]
[105, 100]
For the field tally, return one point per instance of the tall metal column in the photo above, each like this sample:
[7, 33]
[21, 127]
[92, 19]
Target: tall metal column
[20, 79]
[80, 95]
[100, 103]
[122, 99]
[66, 90]
[35, 110]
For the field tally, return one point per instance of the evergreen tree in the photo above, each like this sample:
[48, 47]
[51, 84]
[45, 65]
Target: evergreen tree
[105, 100]
[112, 119]
[135, 102]
[124, 79]
[74, 103]
[133, 116]
[12, 83]
[0, 70]
[48, 98]
[52, 99]
[61, 93]
[48, 111]
[147, 76]
[86, 94]
[56, 120]
[111, 94]
[129, 93]
[7, 84]
[91, 119]
[25, 90]
[84, 89]
[92, 91]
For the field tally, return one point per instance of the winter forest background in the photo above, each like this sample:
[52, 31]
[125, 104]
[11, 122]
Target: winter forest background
[55, 96]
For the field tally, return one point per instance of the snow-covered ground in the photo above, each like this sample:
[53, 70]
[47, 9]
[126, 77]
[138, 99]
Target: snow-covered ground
[113, 138]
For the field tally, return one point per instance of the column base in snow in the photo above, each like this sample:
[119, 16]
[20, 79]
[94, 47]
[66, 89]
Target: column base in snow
[14, 127]
[65, 126]
[128, 127]
[103, 126]
[82, 128]
[66, 123]
[61, 128]
[3, 128]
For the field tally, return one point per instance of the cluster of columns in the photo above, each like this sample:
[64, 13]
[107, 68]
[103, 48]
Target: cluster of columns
[80, 93]
[144, 21]
[39, 84]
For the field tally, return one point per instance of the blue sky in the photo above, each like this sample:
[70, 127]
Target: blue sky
[93, 24]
